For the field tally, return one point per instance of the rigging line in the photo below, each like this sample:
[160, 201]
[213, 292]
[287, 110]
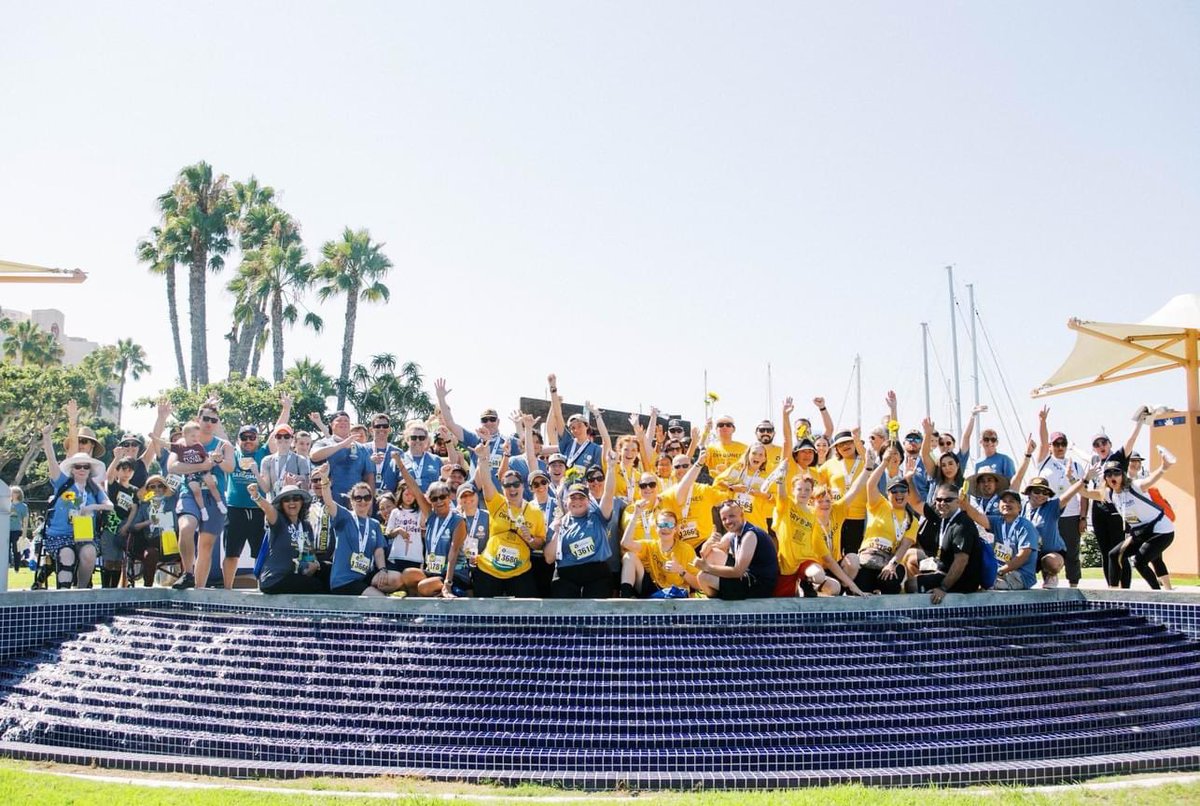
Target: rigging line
[999, 413]
[945, 381]
[1000, 371]
[845, 399]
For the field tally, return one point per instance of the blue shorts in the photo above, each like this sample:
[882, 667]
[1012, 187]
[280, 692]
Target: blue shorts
[215, 525]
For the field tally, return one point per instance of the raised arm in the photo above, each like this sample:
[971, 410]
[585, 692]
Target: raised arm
[605, 439]
[1133, 435]
[1153, 478]
[318, 422]
[974, 514]
[422, 501]
[826, 419]
[788, 430]
[483, 470]
[610, 486]
[1077, 485]
[285, 409]
[527, 423]
[927, 446]
[627, 541]
[1043, 436]
[439, 389]
[964, 442]
[689, 478]
[71, 443]
[269, 511]
[48, 446]
[554, 419]
[1019, 476]
[873, 494]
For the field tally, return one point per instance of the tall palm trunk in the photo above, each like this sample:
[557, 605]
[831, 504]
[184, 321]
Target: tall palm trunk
[173, 316]
[277, 334]
[347, 344]
[247, 338]
[120, 399]
[197, 278]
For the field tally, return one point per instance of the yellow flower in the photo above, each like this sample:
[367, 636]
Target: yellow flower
[801, 431]
[893, 428]
[69, 496]
[149, 496]
[712, 397]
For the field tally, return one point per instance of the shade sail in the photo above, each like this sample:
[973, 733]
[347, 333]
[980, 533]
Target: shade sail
[11, 272]
[1106, 352]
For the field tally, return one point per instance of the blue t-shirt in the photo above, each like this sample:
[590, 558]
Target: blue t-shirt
[998, 463]
[1012, 538]
[352, 535]
[426, 468]
[580, 456]
[439, 535]
[59, 522]
[520, 465]
[495, 451]
[988, 506]
[217, 471]
[583, 540]
[347, 466]
[18, 514]
[1045, 518]
[387, 476]
[236, 494]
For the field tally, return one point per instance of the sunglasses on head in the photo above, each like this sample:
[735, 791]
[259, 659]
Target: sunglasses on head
[647, 485]
[511, 485]
[360, 498]
[210, 419]
[433, 499]
[489, 419]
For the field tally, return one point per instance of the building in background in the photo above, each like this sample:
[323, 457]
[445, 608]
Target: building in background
[53, 322]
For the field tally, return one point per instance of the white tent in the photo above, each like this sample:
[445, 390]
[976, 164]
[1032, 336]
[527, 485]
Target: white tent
[1107, 352]
[11, 272]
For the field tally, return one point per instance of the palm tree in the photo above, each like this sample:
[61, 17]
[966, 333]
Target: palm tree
[27, 344]
[309, 378]
[159, 253]
[254, 205]
[378, 388]
[198, 211]
[353, 266]
[131, 361]
[100, 372]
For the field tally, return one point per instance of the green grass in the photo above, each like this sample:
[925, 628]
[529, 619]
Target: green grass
[1176, 580]
[32, 785]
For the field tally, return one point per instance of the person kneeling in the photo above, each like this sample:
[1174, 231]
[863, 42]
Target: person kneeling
[359, 561]
[286, 563]
[740, 564]
[656, 564]
[1015, 542]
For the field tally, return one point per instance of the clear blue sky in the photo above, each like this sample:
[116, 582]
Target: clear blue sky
[631, 193]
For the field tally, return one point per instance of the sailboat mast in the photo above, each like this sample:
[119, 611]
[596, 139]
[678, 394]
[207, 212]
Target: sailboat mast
[858, 389]
[954, 345]
[974, 345]
[925, 357]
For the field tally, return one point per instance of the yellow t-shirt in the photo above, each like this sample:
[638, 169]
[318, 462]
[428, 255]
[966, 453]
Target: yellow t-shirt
[506, 554]
[774, 455]
[754, 508]
[696, 524]
[794, 470]
[796, 530]
[627, 482]
[646, 524]
[836, 476]
[654, 560]
[719, 457]
[886, 527]
[832, 537]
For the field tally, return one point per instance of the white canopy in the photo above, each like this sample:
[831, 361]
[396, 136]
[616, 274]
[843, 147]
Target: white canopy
[1107, 352]
[11, 272]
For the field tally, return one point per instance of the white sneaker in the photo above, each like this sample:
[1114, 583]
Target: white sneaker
[1050, 581]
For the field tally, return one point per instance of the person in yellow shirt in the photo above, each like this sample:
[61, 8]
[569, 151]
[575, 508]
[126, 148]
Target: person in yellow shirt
[802, 460]
[628, 472]
[690, 500]
[642, 519]
[831, 513]
[726, 450]
[764, 432]
[743, 481]
[659, 562]
[516, 526]
[806, 563]
[890, 532]
[840, 472]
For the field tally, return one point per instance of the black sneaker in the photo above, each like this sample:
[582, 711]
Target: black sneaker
[186, 581]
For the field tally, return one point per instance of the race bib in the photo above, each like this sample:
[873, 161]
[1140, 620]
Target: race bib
[494, 461]
[175, 481]
[507, 557]
[1003, 552]
[124, 501]
[689, 531]
[1131, 518]
[435, 564]
[359, 563]
[879, 544]
[744, 501]
[582, 549]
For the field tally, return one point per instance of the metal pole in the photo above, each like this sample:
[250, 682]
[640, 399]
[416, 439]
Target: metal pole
[925, 355]
[974, 348]
[954, 345]
[858, 390]
[770, 394]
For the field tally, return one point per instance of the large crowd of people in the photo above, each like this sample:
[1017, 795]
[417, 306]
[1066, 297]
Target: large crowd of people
[451, 508]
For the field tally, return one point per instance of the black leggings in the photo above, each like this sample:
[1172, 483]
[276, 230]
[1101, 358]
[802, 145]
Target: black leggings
[1145, 555]
[869, 581]
[297, 583]
[584, 581]
[852, 536]
[1110, 533]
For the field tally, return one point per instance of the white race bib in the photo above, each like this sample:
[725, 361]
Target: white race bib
[507, 557]
[435, 564]
[359, 563]
[1003, 552]
[582, 549]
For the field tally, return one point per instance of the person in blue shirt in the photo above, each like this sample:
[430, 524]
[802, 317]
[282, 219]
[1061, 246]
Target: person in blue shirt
[1043, 509]
[286, 563]
[985, 487]
[579, 545]
[489, 432]
[383, 454]
[196, 555]
[576, 444]
[245, 520]
[1000, 463]
[360, 549]
[77, 496]
[424, 465]
[348, 461]
[1015, 542]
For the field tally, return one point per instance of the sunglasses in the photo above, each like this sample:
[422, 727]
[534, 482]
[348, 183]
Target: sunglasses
[283, 436]
[538, 483]
[1100, 442]
[680, 467]
[942, 500]
[724, 425]
[595, 479]
[1059, 443]
[418, 438]
[81, 467]
[665, 525]
[1108, 474]
[766, 430]
[360, 498]
[647, 485]
[433, 499]
[989, 439]
[129, 444]
[489, 419]
[675, 430]
[914, 439]
[511, 485]
[247, 437]
[378, 426]
[942, 444]
[209, 419]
